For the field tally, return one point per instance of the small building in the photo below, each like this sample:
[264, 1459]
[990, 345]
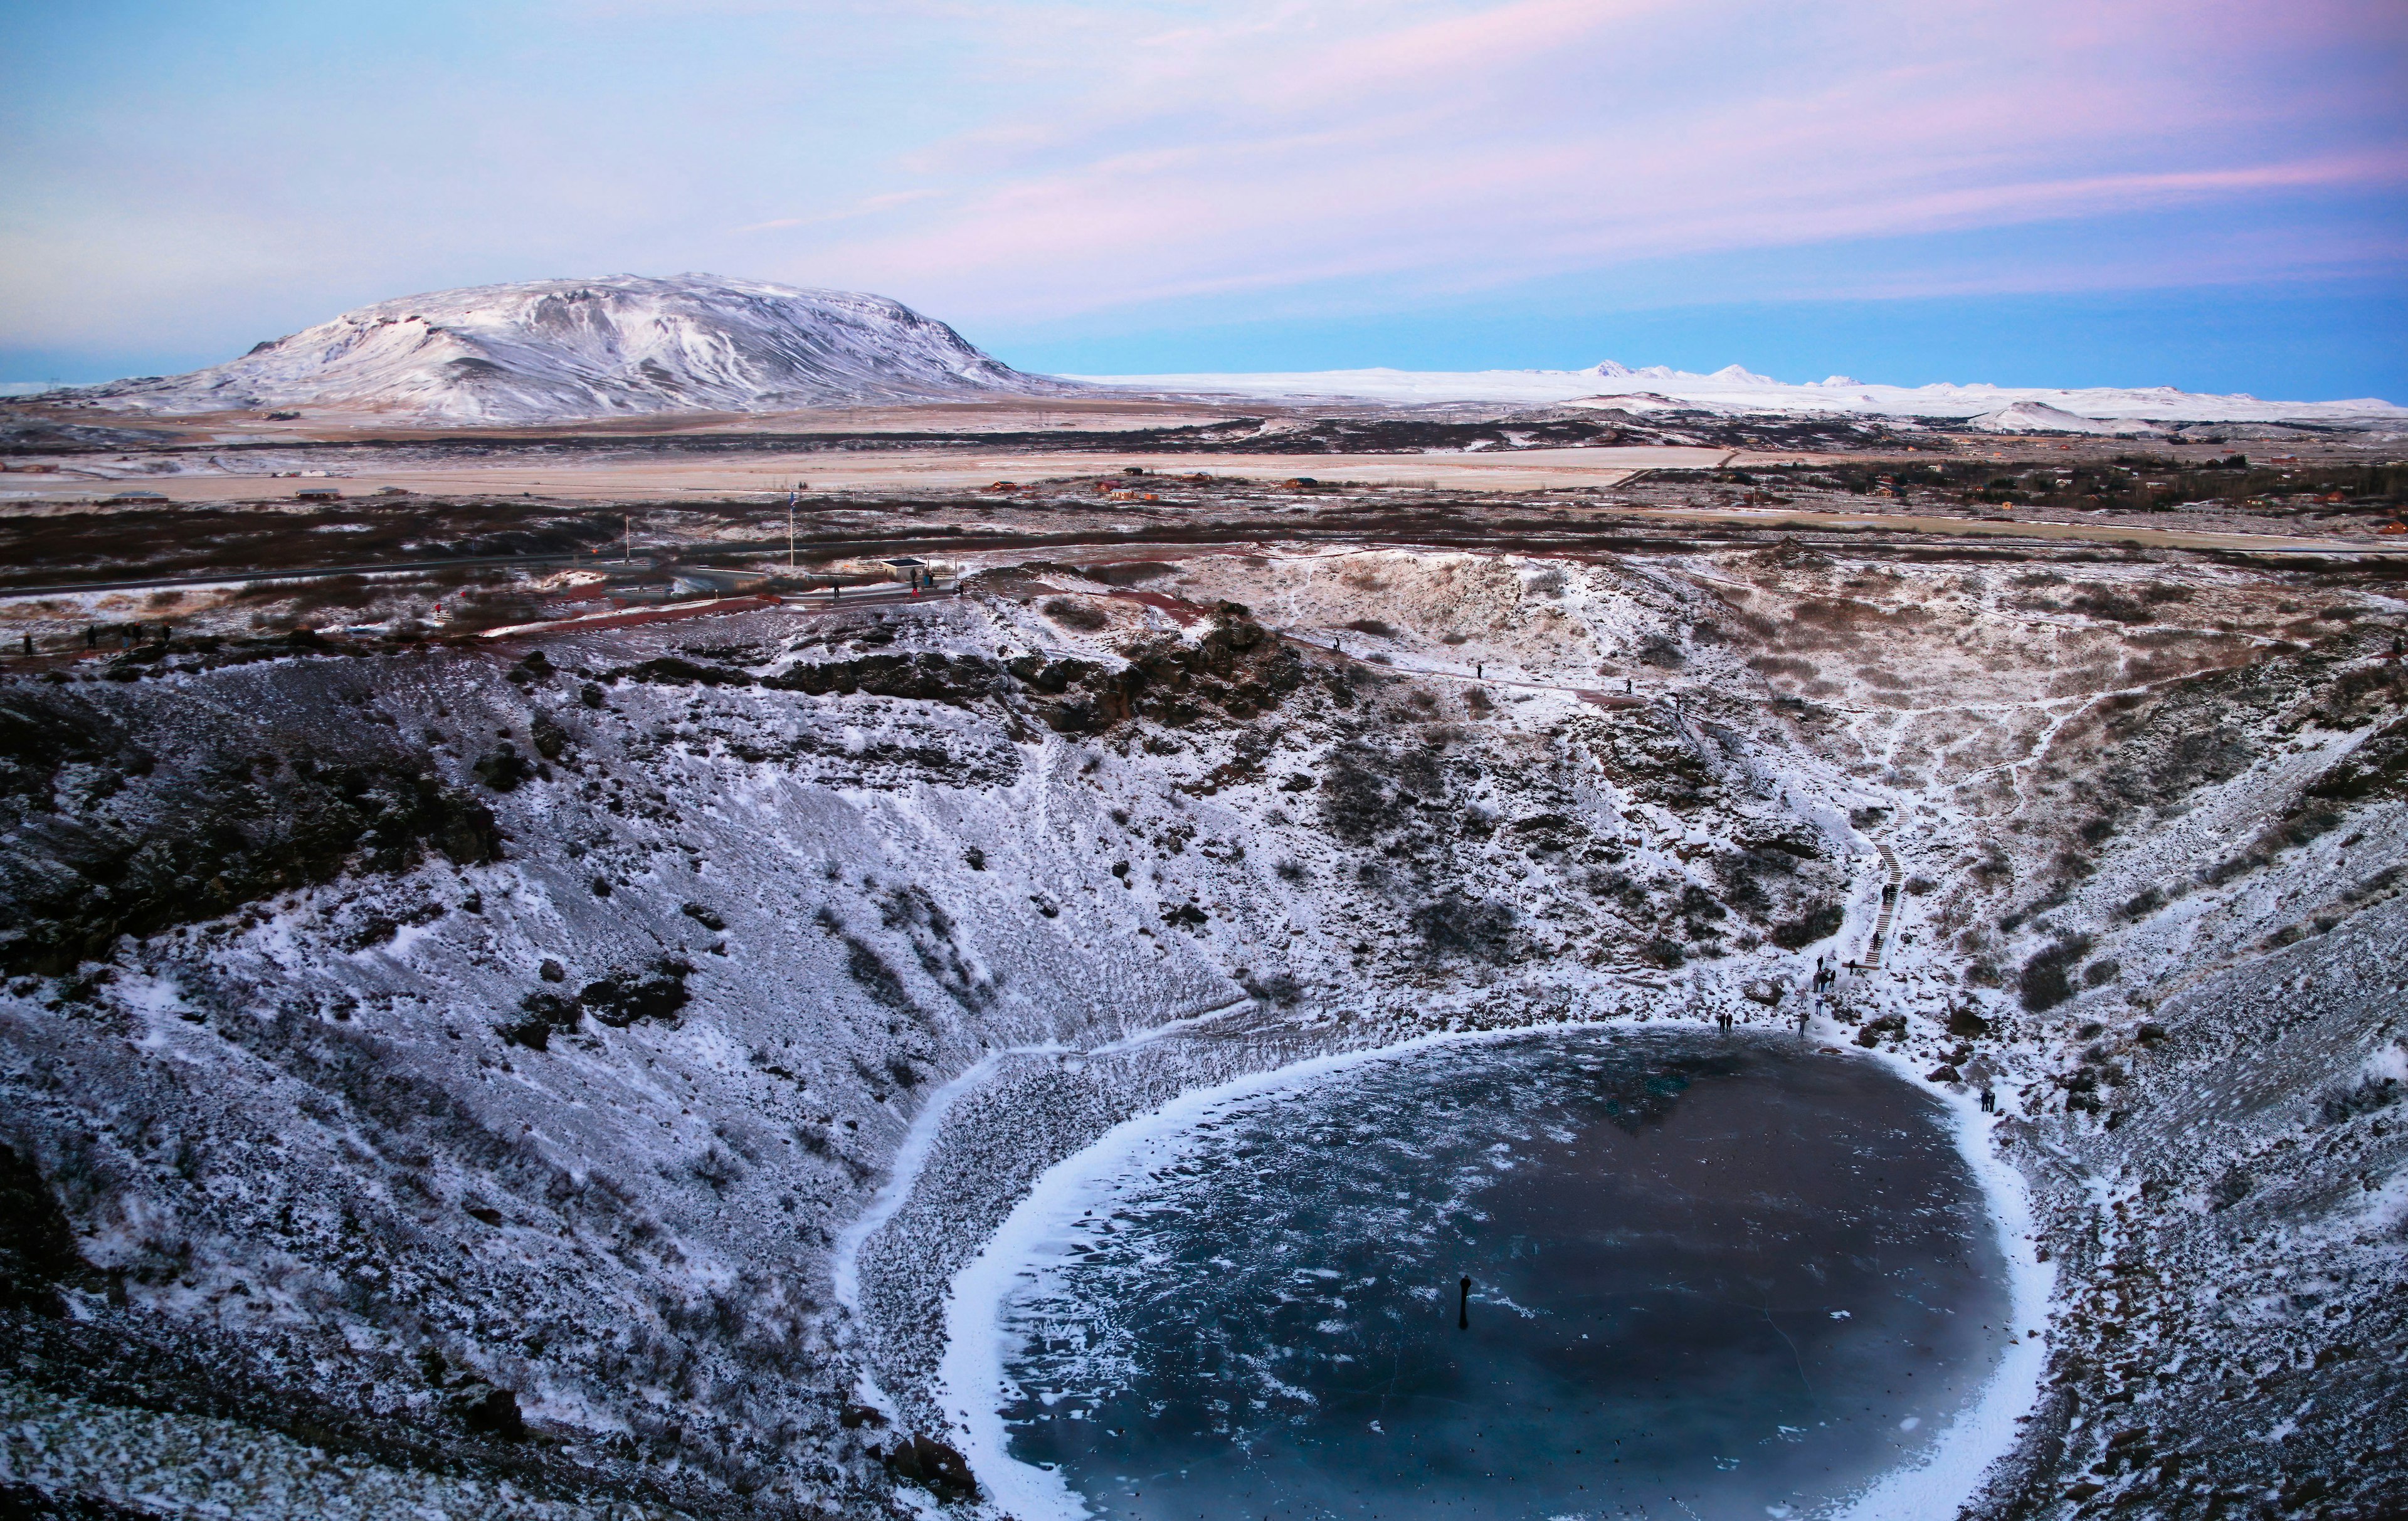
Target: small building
[317, 494]
[136, 498]
[907, 568]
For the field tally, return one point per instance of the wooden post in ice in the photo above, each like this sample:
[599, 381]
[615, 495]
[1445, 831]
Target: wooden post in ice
[1463, 1306]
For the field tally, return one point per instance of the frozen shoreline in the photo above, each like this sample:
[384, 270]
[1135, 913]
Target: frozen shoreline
[920, 1143]
[1985, 1432]
[1978, 1436]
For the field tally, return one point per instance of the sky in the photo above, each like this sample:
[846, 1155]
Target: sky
[2211, 193]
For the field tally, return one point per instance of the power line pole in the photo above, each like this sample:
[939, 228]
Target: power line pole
[789, 526]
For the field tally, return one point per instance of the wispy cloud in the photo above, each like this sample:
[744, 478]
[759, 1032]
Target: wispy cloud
[868, 207]
[1032, 160]
[1485, 144]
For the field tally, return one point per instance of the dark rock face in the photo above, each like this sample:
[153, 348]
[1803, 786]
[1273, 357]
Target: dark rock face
[954, 680]
[542, 1015]
[620, 999]
[1455, 926]
[104, 840]
[1819, 922]
[2047, 978]
[1236, 671]
[37, 1249]
[933, 1466]
[491, 1411]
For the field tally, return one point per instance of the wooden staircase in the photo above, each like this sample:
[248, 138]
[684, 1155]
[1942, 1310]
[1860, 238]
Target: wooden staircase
[1891, 887]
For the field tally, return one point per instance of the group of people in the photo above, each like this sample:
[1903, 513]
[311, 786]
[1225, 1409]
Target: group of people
[1825, 976]
[126, 635]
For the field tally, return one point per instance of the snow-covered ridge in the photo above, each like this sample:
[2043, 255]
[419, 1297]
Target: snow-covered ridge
[1735, 389]
[545, 350]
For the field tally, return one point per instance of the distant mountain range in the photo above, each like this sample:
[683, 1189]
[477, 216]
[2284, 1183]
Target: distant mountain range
[1732, 388]
[555, 349]
[629, 345]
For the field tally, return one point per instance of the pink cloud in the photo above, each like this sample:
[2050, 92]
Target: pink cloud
[1310, 142]
[1025, 159]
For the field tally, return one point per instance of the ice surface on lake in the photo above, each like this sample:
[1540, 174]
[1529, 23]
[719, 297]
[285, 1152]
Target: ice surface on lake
[1732, 1275]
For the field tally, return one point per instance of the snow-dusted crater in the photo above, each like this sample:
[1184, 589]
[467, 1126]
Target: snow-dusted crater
[631, 1070]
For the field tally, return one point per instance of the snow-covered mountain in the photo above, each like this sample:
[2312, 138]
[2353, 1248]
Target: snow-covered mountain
[2039, 417]
[552, 350]
[1733, 389]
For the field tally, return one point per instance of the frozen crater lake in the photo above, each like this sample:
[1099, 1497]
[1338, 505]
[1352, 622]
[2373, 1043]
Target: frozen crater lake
[1712, 1277]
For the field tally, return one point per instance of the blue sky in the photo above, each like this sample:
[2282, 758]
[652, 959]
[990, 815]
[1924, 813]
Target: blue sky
[2212, 195]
